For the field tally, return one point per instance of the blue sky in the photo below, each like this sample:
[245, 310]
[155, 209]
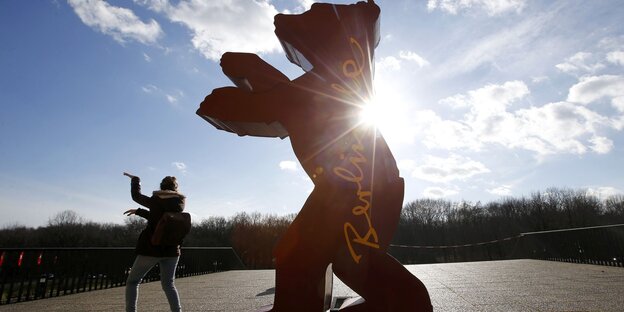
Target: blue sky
[481, 99]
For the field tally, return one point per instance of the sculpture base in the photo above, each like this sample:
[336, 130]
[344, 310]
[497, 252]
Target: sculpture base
[265, 308]
[328, 298]
[339, 303]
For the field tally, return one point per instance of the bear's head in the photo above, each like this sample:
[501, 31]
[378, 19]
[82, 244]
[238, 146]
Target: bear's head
[324, 37]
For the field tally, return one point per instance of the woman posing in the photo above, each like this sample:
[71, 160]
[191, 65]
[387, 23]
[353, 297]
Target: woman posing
[167, 199]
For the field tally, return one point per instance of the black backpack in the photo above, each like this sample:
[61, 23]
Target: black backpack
[171, 229]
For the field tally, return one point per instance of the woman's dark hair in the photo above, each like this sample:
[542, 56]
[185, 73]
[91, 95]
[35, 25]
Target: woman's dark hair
[169, 183]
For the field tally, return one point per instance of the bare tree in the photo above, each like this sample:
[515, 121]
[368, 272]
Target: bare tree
[65, 217]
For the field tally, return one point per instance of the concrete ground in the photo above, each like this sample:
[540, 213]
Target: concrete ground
[513, 285]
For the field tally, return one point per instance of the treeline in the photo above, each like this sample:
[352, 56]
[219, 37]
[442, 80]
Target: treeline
[431, 222]
[251, 235]
[423, 222]
[68, 229]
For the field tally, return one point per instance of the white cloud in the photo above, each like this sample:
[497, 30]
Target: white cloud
[305, 4]
[396, 63]
[603, 192]
[561, 127]
[503, 190]
[439, 192]
[555, 128]
[580, 63]
[406, 164]
[180, 166]
[171, 99]
[618, 103]
[618, 123]
[488, 117]
[149, 88]
[601, 145]
[616, 57]
[456, 167]
[507, 45]
[221, 26]
[539, 79]
[288, 165]
[388, 63]
[491, 7]
[446, 134]
[120, 23]
[615, 43]
[413, 57]
[456, 101]
[593, 88]
[147, 57]
[494, 99]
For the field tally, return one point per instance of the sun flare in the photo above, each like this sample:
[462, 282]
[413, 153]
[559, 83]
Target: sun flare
[389, 115]
[373, 114]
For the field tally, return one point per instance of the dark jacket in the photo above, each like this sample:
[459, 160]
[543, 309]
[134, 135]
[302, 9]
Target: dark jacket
[159, 203]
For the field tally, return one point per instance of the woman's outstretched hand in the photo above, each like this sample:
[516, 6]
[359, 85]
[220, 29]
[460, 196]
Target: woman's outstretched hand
[129, 175]
[130, 212]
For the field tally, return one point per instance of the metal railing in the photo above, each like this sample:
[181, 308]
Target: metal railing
[36, 273]
[594, 245]
[602, 245]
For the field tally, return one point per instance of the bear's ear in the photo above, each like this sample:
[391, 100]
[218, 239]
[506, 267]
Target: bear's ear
[322, 36]
[296, 57]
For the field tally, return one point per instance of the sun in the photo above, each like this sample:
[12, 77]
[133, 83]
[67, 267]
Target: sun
[388, 114]
[372, 113]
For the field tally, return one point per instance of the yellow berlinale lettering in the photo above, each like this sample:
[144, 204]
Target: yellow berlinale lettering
[353, 70]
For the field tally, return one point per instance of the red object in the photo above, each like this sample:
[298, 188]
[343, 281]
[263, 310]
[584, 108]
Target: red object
[39, 258]
[2, 259]
[19, 260]
[342, 227]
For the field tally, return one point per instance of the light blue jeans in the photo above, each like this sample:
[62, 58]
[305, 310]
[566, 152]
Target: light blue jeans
[142, 265]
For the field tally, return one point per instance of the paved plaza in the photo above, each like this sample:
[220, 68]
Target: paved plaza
[513, 285]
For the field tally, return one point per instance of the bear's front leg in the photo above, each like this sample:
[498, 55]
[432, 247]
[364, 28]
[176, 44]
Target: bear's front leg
[250, 73]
